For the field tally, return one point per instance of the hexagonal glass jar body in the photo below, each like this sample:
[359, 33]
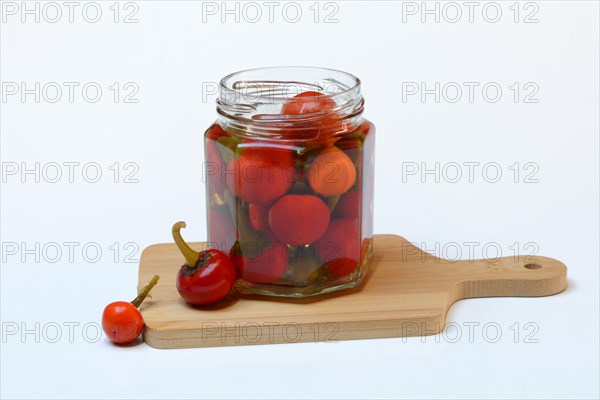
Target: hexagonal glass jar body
[289, 180]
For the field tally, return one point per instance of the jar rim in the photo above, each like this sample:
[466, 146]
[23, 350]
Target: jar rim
[224, 84]
[255, 96]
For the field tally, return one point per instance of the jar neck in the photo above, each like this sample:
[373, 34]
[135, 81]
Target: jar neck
[297, 130]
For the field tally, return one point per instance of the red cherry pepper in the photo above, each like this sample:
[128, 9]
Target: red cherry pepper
[348, 206]
[221, 229]
[340, 247]
[258, 216]
[261, 174]
[215, 165]
[314, 102]
[261, 264]
[298, 219]
[207, 276]
[308, 102]
[332, 172]
[122, 322]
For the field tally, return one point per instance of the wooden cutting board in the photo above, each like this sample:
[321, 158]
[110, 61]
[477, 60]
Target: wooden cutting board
[407, 292]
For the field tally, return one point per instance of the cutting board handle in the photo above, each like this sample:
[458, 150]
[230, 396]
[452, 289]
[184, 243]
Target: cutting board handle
[508, 276]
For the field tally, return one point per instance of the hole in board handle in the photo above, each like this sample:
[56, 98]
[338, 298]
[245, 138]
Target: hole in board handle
[532, 266]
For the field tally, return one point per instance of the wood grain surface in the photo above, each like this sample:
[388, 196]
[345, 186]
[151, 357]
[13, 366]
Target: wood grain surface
[406, 292]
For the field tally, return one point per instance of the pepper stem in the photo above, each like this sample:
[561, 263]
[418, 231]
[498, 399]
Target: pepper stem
[191, 256]
[145, 291]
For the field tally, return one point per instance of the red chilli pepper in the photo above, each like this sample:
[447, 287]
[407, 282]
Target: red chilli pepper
[122, 322]
[207, 276]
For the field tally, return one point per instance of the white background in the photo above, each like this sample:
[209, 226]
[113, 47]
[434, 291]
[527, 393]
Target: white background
[175, 51]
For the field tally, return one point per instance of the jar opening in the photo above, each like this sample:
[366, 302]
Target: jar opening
[253, 100]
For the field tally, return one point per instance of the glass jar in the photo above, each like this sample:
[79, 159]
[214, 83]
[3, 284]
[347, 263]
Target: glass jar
[289, 180]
